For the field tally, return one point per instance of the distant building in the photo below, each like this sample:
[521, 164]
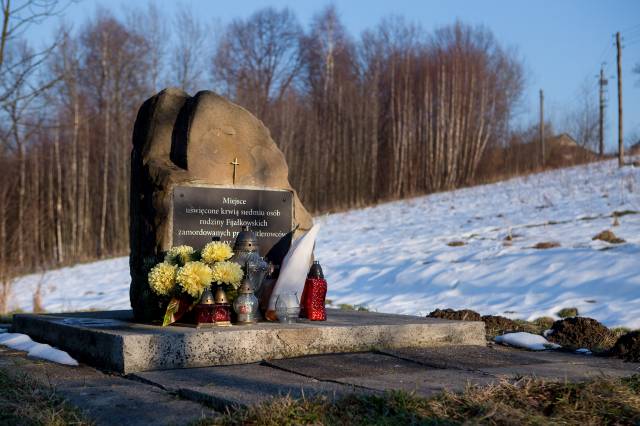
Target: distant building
[635, 149]
[563, 150]
[560, 151]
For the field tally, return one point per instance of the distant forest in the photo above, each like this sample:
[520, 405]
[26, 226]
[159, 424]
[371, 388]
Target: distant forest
[394, 112]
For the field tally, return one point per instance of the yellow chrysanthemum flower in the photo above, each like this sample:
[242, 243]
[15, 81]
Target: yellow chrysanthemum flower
[179, 255]
[216, 251]
[162, 278]
[194, 277]
[227, 273]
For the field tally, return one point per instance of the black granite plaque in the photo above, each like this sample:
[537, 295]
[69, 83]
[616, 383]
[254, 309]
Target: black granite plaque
[202, 213]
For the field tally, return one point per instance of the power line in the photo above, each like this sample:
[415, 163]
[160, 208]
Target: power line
[631, 28]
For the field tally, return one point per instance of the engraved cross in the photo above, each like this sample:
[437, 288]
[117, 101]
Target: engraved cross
[235, 164]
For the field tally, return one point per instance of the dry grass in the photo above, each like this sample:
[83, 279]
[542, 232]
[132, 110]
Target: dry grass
[546, 245]
[567, 312]
[609, 237]
[525, 402]
[25, 402]
[456, 243]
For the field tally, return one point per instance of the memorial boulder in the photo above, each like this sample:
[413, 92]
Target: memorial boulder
[201, 168]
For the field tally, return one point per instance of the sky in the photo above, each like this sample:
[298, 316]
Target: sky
[562, 43]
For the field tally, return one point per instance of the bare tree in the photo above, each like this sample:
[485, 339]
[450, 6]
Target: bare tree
[582, 121]
[150, 26]
[189, 52]
[257, 59]
[17, 18]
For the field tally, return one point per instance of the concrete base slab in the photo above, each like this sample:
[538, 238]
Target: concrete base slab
[112, 341]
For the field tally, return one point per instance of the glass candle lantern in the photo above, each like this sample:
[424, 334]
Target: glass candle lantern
[205, 308]
[246, 304]
[287, 307]
[222, 308]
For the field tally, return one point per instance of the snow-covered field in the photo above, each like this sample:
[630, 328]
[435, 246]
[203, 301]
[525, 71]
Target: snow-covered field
[395, 257]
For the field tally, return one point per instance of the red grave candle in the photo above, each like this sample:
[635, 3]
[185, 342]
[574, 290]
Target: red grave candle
[313, 295]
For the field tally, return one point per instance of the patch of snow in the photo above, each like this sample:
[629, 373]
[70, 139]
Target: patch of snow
[533, 342]
[22, 342]
[3, 330]
[583, 351]
[394, 257]
[547, 333]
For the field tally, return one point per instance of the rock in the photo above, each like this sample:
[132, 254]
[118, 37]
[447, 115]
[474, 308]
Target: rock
[182, 140]
[580, 332]
[450, 314]
[628, 347]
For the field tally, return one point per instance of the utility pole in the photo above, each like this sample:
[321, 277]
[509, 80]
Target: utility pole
[620, 143]
[542, 153]
[603, 82]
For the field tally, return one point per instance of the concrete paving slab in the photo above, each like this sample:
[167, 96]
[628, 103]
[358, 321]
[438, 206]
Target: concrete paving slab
[134, 404]
[334, 366]
[112, 341]
[424, 383]
[572, 372]
[381, 372]
[464, 357]
[239, 385]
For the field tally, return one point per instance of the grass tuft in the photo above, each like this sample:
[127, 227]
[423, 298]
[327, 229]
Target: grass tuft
[456, 243]
[546, 245]
[609, 237]
[349, 307]
[567, 313]
[25, 402]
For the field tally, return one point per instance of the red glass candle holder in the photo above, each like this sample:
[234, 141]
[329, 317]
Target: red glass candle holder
[222, 314]
[205, 314]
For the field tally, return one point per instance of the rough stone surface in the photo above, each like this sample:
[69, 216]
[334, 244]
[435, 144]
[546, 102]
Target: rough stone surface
[183, 140]
[112, 341]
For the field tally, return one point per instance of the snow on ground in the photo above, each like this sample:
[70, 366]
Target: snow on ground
[22, 342]
[394, 257]
[533, 342]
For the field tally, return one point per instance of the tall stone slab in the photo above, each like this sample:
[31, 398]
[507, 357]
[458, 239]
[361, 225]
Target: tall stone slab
[179, 141]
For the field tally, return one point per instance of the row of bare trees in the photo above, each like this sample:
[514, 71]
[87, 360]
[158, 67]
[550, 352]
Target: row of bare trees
[396, 112]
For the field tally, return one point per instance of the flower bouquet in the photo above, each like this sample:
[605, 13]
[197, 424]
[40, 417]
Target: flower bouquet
[185, 273]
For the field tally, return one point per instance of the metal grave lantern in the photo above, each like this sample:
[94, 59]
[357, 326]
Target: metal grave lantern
[245, 253]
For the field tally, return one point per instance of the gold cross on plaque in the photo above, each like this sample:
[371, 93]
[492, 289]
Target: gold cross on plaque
[235, 164]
